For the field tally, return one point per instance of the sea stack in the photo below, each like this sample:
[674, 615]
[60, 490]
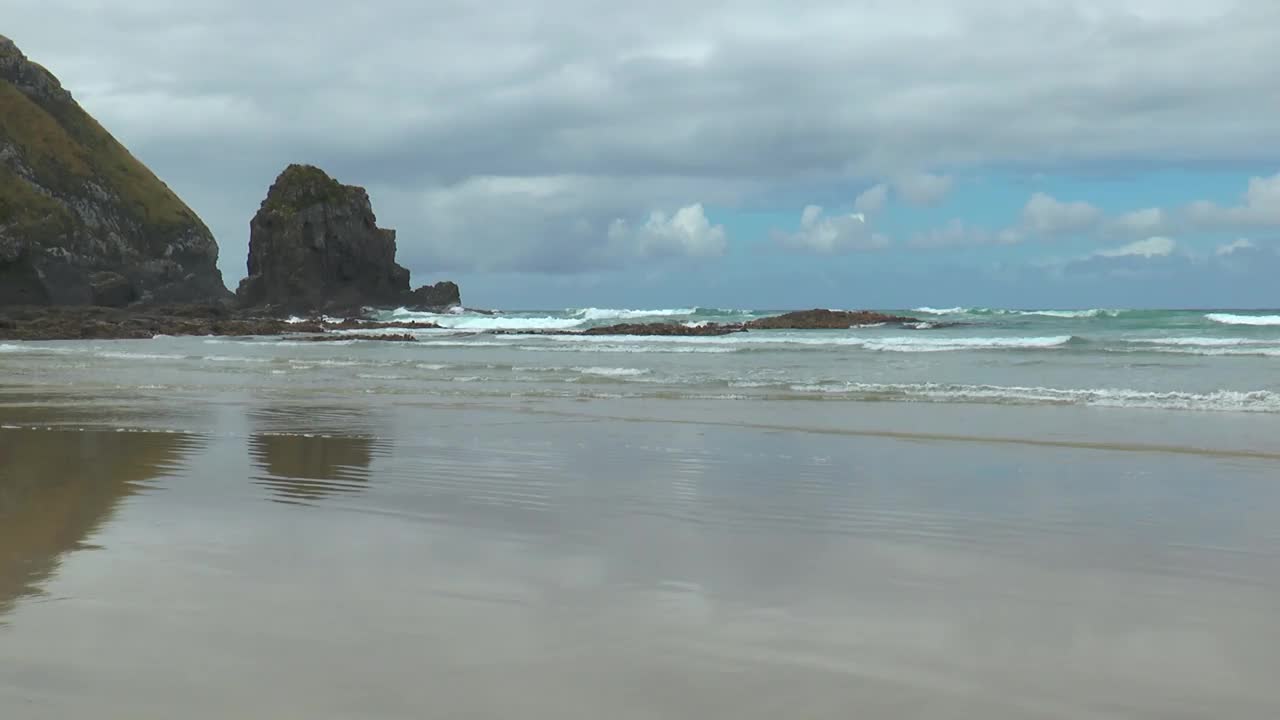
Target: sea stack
[315, 246]
[82, 221]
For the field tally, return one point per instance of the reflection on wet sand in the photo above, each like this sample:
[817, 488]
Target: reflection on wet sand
[58, 487]
[299, 467]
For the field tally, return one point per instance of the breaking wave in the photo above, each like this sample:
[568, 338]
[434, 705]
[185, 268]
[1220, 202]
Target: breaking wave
[1233, 319]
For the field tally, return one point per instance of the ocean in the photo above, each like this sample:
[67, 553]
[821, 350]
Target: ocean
[992, 514]
[1184, 360]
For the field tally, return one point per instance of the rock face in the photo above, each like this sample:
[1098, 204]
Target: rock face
[315, 245]
[81, 220]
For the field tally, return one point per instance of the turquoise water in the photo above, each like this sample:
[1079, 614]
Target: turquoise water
[1185, 360]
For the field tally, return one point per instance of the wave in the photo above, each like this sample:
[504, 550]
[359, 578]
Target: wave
[1233, 319]
[613, 314]
[488, 322]
[770, 341]
[612, 371]
[119, 355]
[1202, 341]
[1070, 314]
[905, 344]
[1060, 314]
[1221, 400]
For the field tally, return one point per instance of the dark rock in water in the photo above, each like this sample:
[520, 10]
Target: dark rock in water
[398, 337]
[101, 323]
[431, 297]
[674, 329]
[818, 319]
[315, 246]
[351, 324]
[81, 220]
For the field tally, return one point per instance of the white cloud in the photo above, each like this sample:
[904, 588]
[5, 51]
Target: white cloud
[1141, 222]
[1047, 216]
[1152, 247]
[872, 200]
[829, 234]
[923, 188]
[1260, 207]
[687, 232]
[1234, 247]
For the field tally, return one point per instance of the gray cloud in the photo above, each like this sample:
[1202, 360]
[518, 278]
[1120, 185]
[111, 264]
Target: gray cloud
[872, 200]
[454, 110]
[923, 188]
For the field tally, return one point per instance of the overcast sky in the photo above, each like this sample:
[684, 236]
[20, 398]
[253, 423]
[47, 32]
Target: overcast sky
[839, 153]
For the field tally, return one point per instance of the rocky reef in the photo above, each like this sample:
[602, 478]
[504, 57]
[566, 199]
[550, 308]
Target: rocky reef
[315, 246]
[818, 319]
[798, 320]
[82, 221]
[101, 323]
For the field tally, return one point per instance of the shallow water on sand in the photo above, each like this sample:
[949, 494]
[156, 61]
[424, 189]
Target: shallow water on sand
[282, 552]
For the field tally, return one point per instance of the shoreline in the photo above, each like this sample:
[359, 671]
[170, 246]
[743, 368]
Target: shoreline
[70, 322]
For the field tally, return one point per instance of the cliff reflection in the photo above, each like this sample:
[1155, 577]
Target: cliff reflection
[58, 487]
[312, 454]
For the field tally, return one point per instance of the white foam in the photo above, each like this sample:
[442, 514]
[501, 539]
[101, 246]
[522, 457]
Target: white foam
[117, 355]
[940, 311]
[617, 348]
[918, 344]
[236, 358]
[501, 322]
[1222, 400]
[1233, 319]
[24, 348]
[1220, 351]
[612, 371]
[1070, 314]
[615, 314]
[743, 340]
[1203, 341]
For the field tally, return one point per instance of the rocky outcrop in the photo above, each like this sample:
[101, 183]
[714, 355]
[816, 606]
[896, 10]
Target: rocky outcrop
[315, 246]
[441, 295]
[81, 220]
[100, 323]
[818, 319]
[670, 329]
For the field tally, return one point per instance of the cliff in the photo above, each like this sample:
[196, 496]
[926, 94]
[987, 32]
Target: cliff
[82, 221]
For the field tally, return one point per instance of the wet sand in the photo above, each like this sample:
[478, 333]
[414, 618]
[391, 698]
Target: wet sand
[288, 556]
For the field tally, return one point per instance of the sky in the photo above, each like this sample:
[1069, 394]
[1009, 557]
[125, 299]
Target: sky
[833, 153]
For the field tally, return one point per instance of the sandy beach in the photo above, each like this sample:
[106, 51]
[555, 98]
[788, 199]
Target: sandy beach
[285, 554]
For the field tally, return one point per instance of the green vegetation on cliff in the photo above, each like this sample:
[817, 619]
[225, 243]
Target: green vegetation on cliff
[65, 149]
[81, 219]
[301, 186]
